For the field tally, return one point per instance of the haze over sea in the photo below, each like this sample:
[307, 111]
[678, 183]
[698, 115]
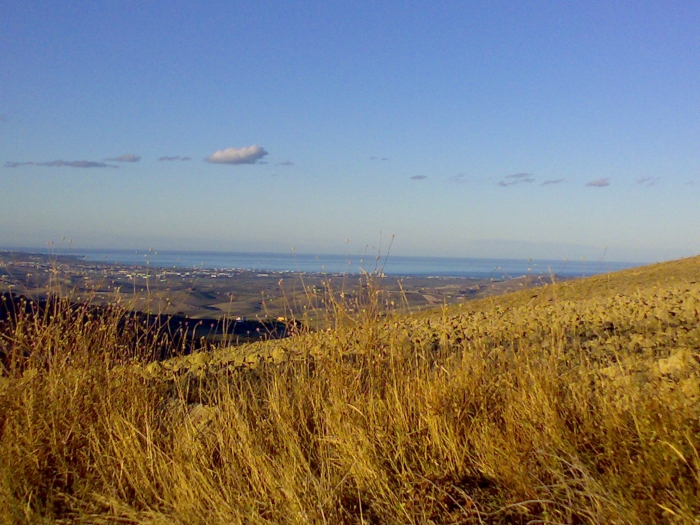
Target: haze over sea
[355, 263]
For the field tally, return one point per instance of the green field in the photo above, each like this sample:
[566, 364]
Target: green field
[576, 402]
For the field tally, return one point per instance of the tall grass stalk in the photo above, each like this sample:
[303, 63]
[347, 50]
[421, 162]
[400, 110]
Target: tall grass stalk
[582, 409]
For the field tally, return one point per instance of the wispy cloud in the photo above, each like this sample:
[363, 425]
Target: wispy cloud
[599, 183]
[516, 178]
[76, 164]
[246, 155]
[176, 157]
[552, 181]
[379, 158]
[647, 181]
[461, 178]
[61, 163]
[127, 157]
[285, 163]
[419, 177]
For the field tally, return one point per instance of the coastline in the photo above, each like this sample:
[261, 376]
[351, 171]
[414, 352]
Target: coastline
[205, 293]
[345, 264]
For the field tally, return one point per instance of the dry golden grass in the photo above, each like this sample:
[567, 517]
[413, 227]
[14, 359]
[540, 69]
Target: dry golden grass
[574, 403]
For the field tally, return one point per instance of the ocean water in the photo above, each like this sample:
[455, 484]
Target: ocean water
[354, 264]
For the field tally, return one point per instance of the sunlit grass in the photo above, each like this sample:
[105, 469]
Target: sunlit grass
[577, 402]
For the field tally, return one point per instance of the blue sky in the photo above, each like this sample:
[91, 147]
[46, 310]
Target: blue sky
[482, 129]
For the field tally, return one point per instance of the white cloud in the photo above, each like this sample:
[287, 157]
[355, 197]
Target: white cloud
[599, 183]
[246, 155]
[552, 181]
[419, 177]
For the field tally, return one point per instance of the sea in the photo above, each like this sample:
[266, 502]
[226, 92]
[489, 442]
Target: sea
[393, 265]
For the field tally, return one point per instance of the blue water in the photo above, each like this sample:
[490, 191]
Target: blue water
[354, 264]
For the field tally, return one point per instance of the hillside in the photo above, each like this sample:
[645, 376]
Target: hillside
[576, 402]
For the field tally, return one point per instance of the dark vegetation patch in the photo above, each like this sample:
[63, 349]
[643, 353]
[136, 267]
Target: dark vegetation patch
[136, 334]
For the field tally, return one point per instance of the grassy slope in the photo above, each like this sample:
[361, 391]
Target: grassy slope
[578, 402]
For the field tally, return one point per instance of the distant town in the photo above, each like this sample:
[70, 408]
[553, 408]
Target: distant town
[204, 293]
